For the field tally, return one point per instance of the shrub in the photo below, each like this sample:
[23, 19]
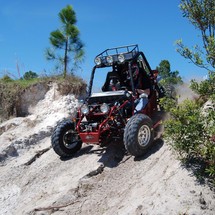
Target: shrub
[192, 134]
[6, 79]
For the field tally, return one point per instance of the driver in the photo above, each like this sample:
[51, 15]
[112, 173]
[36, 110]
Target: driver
[142, 85]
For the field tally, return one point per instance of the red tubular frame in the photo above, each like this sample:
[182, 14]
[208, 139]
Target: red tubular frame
[94, 136]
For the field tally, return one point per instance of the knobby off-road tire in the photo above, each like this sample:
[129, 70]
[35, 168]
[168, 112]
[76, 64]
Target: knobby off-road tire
[138, 135]
[65, 139]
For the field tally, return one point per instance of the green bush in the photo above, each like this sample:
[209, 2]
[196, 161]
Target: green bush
[205, 88]
[192, 133]
[6, 79]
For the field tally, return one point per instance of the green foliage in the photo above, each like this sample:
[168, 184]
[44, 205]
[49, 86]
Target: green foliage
[169, 79]
[185, 120]
[205, 88]
[195, 55]
[167, 103]
[66, 44]
[30, 75]
[191, 129]
[67, 16]
[57, 39]
[164, 69]
[192, 133]
[6, 79]
[190, 126]
[201, 13]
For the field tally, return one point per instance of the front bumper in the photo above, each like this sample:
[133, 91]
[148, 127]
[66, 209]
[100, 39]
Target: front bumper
[90, 137]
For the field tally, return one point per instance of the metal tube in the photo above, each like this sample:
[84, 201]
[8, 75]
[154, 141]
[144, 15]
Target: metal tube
[91, 81]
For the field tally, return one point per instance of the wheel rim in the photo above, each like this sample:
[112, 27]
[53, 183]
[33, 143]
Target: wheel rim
[70, 139]
[144, 135]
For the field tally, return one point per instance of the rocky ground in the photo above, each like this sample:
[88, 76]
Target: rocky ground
[34, 180]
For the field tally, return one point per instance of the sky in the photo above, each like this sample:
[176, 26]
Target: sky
[154, 25]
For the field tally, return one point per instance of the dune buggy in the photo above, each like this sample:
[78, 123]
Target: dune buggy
[110, 115]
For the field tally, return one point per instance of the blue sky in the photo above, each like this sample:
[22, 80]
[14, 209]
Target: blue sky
[154, 25]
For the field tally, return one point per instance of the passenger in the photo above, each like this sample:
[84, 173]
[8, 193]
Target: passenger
[112, 82]
[125, 78]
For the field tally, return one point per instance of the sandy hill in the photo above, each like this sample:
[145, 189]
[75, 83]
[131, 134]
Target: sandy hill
[34, 180]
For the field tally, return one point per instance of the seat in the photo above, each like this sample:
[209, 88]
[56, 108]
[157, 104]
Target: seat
[112, 82]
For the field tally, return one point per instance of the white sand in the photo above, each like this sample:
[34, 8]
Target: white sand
[155, 184]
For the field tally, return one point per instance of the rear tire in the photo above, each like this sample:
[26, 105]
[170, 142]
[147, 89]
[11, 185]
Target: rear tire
[138, 135]
[65, 139]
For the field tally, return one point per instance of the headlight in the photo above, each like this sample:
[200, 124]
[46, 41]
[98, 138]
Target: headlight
[104, 108]
[109, 59]
[97, 61]
[121, 58]
[85, 109]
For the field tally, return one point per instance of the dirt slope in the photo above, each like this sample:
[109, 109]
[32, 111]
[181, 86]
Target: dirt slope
[34, 180]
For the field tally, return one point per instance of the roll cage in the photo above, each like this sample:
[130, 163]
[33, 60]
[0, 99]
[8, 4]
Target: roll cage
[120, 56]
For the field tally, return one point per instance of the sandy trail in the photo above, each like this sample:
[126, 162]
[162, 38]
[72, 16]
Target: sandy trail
[34, 180]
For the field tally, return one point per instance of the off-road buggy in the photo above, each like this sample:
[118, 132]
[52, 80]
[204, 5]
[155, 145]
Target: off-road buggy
[109, 115]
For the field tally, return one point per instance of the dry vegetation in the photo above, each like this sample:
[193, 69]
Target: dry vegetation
[17, 95]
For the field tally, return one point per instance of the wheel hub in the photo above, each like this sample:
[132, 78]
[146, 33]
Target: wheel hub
[144, 135]
[70, 139]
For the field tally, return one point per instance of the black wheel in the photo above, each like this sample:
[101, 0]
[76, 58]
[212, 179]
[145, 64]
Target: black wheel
[65, 140]
[138, 134]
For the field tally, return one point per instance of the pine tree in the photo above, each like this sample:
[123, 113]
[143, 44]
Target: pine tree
[66, 41]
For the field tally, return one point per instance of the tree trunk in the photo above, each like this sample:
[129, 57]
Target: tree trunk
[65, 60]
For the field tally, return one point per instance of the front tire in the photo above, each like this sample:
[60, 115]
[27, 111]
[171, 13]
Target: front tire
[138, 135]
[65, 139]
